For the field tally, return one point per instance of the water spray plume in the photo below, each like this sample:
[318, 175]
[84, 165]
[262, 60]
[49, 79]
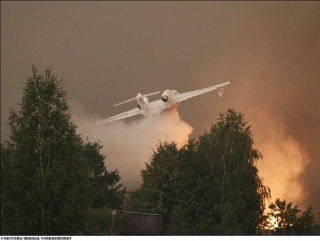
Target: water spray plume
[128, 144]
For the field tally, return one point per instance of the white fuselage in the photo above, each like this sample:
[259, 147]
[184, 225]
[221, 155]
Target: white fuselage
[156, 107]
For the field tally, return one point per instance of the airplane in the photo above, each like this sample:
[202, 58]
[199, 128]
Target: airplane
[169, 99]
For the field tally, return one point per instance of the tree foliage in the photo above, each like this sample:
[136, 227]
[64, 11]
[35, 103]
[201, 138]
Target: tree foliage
[106, 190]
[46, 186]
[286, 219]
[210, 186]
[51, 182]
[157, 181]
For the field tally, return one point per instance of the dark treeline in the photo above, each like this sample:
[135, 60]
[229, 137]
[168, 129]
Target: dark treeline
[210, 186]
[53, 183]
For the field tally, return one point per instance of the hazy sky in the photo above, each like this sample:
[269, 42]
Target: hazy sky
[107, 52]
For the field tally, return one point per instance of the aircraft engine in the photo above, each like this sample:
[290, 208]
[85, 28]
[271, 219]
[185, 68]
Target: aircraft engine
[166, 96]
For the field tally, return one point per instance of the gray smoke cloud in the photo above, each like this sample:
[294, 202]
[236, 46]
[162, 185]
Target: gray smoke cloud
[109, 51]
[282, 108]
[128, 145]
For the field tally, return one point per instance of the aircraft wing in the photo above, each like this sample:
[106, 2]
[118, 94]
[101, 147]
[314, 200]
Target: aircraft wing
[130, 113]
[187, 95]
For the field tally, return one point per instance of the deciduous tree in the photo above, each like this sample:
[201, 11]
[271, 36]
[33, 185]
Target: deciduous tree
[227, 153]
[286, 219]
[46, 187]
[210, 186]
[106, 190]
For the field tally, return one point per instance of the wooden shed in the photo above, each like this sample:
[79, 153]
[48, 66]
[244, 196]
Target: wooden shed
[140, 223]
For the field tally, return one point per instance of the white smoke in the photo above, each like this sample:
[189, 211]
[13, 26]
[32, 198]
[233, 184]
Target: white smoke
[129, 144]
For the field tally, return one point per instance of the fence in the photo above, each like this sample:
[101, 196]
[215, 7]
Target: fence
[134, 223]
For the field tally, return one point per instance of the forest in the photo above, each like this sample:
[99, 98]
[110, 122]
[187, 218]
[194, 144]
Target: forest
[54, 183]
